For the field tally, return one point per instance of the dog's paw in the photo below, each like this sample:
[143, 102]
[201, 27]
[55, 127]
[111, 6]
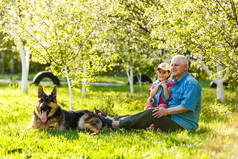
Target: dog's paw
[94, 133]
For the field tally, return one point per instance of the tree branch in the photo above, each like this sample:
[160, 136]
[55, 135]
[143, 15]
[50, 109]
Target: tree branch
[234, 10]
[226, 74]
[51, 59]
[228, 15]
[143, 28]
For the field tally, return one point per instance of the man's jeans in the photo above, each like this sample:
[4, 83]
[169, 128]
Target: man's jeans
[143, 119]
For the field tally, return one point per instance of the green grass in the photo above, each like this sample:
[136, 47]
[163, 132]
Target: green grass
[120, 79]
[15, 76]
[217, 136]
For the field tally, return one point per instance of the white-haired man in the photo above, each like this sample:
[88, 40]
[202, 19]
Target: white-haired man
[184, 105]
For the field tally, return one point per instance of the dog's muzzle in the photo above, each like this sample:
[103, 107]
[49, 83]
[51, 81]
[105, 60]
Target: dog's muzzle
[44, 109]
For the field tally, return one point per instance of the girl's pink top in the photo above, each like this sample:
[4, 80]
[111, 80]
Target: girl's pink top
[161, 101]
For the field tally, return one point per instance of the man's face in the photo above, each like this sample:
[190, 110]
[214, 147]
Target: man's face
[178, 68]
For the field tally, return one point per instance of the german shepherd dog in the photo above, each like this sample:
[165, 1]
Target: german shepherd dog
[48, 114]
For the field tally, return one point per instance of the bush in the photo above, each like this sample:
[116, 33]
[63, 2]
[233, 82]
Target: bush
[107, 106]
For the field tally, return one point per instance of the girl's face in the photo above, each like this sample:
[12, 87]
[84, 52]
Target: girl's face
[163, 75]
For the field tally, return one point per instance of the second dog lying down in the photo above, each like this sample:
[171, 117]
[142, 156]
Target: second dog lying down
[48, 114]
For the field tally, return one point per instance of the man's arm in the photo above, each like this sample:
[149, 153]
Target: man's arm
[160, 112]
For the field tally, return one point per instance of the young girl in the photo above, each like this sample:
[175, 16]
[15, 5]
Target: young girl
[160, 90]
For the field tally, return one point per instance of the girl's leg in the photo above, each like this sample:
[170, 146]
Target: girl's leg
[152, 126]
[149, 107]
[163, 106]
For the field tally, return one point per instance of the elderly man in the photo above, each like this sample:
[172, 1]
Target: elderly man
[183, 108]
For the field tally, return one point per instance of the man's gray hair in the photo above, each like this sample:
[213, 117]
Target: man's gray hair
[182, 58]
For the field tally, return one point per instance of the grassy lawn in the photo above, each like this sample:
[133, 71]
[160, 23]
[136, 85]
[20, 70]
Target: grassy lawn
[120, 79]
[217, 136]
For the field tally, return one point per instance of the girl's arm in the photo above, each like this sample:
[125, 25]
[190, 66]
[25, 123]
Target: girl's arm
[150, 101]
[155, 90]
[167, 90]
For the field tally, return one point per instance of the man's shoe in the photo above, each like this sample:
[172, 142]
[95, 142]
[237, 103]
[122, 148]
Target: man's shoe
[98, 111]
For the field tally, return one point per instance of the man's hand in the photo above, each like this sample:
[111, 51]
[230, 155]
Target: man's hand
[160, 112]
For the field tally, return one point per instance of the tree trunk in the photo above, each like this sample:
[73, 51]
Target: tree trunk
[219, 82]
[83, 84]
[25, 66]
[130, 78]
[12, 64]
[70, 90]
[83, 90]
[139, 80]
[220, 89]
[2, 58]
[236, 95]
[2, 61]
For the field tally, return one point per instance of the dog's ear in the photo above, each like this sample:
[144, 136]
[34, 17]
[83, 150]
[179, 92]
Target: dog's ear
[40, 91]
[54, 92]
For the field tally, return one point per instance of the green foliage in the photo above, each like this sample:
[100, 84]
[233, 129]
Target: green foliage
[129, 32]
[13, 83]
[207, 29]
[107, 106]
[215, 138]
[63, 34]
[99, 34]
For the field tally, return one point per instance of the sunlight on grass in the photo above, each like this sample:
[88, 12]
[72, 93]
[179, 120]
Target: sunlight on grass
[215, 138]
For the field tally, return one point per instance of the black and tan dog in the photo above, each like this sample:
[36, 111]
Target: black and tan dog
[48, 114]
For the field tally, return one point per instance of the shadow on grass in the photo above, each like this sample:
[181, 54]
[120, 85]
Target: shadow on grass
[182, 138]
[143, 133]
[2, 84]
[201, 131]
[74, 134]
[123, 88]
[68, 134]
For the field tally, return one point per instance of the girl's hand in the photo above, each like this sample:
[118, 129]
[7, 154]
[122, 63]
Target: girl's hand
[158, 85]
[163, 84]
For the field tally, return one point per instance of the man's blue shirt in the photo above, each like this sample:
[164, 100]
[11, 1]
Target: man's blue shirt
[187, 93]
